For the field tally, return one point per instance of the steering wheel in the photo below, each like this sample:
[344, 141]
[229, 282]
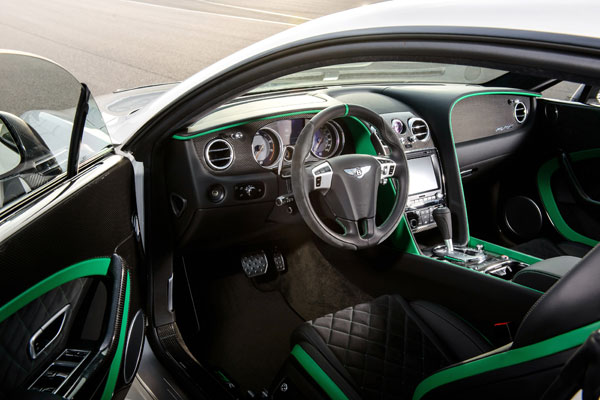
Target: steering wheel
[349, 183]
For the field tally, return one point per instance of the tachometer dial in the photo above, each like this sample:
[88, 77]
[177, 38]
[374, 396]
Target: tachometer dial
[266, 147]
[325, 141]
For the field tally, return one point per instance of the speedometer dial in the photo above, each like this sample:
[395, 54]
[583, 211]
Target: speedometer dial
[266, 147]
[326, 141]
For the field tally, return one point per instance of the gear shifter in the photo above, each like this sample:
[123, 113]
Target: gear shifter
[443, 220]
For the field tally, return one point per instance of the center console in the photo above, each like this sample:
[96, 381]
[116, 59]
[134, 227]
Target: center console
[426, 210]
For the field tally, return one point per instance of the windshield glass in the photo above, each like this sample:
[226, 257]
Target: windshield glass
[381, 72]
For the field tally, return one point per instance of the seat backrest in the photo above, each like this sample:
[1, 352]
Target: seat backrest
[573, 302]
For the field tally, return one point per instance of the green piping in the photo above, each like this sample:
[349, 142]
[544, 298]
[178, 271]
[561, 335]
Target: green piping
[347, 110]
[452, 133]
[494, 248]
[96, 266]
[313, 369]
[115, 365]
[179, 137]
[545, 189]
[508, 358]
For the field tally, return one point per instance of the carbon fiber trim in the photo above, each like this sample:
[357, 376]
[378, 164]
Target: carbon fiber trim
[479, 117]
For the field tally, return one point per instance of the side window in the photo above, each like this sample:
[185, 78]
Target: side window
[562, 91]
[571, 91]
[38, 101]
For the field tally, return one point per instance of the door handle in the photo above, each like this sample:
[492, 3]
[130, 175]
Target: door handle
[48, 333]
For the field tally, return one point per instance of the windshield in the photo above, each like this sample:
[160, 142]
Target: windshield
[381, 72]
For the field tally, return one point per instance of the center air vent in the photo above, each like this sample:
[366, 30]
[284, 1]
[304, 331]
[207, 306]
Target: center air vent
[218, 154]
[520, 111]
[419, 128]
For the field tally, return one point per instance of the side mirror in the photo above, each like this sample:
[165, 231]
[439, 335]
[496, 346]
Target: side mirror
[26, 162]
[10, 157]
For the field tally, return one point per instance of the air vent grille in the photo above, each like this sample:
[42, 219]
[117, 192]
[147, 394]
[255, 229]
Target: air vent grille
[218, 154]
[419, 128]
[520, 111]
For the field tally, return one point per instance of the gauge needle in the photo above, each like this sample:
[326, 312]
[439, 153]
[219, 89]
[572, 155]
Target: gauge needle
[319, 141]
[260, 149]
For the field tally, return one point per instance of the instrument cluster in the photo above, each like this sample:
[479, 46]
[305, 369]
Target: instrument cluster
[276, 140]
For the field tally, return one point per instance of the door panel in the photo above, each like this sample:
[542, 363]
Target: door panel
[16, 364]
[570, 131]
[60, 250]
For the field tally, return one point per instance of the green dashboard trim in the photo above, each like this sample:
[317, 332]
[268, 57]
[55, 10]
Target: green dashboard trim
[115, 366]
[544, 178]
[508, 358]
[221, 128]
[95, 266]
[494, 248]
[313, 369]
[452, 133]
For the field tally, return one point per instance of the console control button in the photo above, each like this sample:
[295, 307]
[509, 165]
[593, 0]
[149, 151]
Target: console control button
[249, 191]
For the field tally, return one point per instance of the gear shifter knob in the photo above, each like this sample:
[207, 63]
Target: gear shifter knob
[443, 220]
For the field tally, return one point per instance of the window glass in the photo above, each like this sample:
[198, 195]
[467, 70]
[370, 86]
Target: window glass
[382, 72]
[561, 91]
[39, 99]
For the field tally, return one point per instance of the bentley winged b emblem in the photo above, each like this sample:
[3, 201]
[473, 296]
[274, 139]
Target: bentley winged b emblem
[358, 172]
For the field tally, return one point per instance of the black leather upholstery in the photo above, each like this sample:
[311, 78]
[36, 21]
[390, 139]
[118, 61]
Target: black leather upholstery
[542, 275]
[388, 346]
[15, 363]
[571, 303]
[385, 348]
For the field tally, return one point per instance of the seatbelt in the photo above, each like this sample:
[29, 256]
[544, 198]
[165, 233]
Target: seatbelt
[582, 371]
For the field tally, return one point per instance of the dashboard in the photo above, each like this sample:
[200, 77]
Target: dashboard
[230, 170]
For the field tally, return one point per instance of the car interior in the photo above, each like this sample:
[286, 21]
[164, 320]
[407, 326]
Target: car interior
[489, 189]
[353, 219]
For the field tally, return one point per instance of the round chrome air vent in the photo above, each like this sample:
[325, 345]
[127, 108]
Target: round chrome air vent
[419, 128]
[520, 111]
[218, 154]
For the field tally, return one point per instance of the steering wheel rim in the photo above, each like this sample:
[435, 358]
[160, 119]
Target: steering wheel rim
[342, 181]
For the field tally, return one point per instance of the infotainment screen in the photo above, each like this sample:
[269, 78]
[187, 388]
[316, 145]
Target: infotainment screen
[421, 175]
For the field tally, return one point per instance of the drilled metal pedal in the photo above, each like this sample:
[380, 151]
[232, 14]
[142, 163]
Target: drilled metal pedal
[255, 263]
[278, 260]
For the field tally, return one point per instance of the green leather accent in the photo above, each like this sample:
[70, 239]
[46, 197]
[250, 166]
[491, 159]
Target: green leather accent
[545, 189]
[221, 128]
[313, 369]
[95, 266]
[505, 359]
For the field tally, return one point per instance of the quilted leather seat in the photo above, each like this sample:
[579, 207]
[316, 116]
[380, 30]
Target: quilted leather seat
[391, 348]
[384, 348]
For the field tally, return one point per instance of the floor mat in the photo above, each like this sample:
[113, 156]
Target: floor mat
[313, 287]
[249, 333]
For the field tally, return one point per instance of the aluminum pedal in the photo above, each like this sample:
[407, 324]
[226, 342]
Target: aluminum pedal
[278, 260]
[255, 263]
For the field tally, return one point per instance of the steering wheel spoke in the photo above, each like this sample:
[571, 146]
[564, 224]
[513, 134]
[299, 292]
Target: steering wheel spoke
[362, 230]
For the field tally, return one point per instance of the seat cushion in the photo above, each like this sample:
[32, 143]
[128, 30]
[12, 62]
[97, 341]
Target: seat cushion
[382, 348]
